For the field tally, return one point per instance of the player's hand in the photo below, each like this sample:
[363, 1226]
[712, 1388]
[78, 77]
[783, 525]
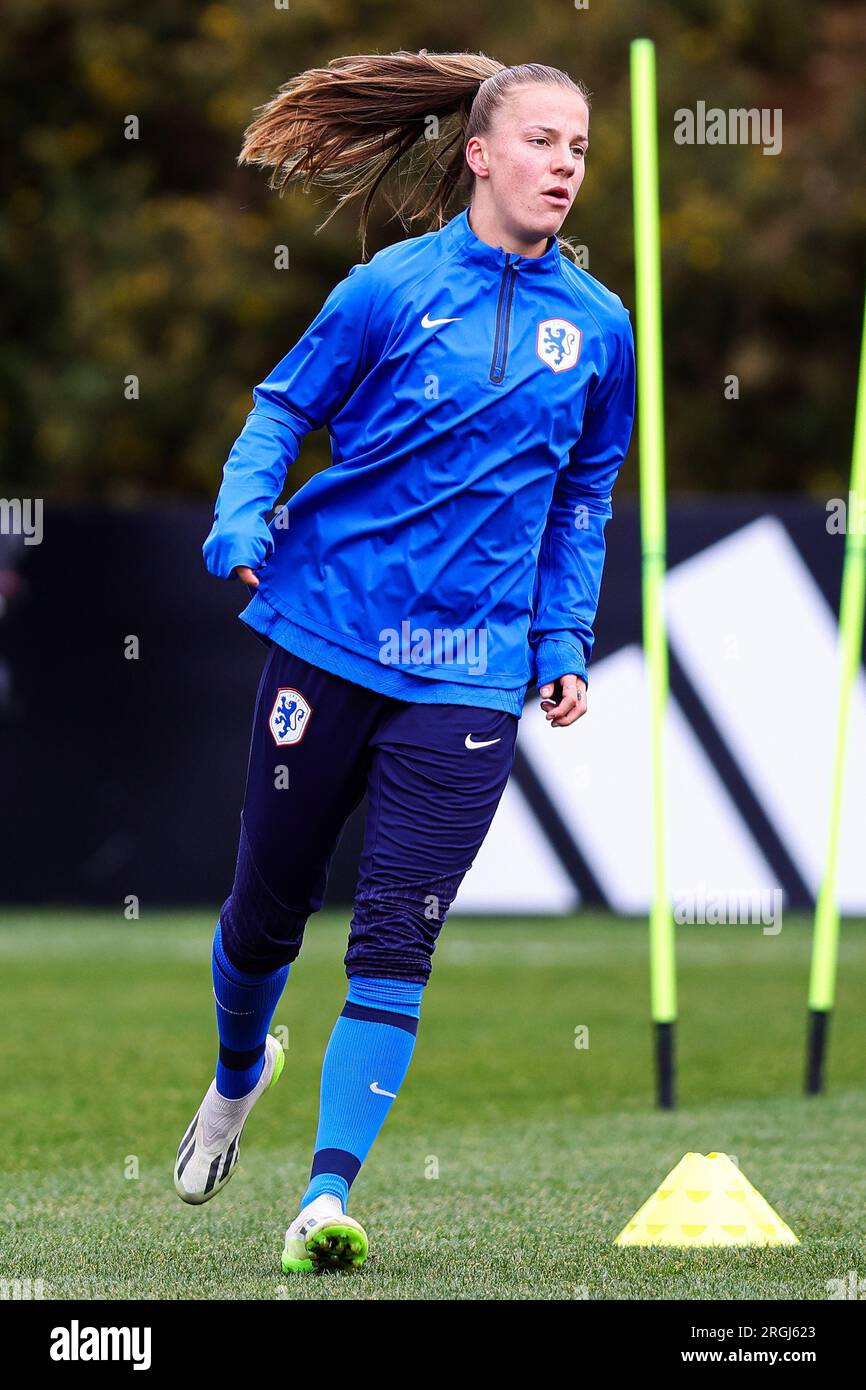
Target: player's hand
[247, 576]
[572, 703]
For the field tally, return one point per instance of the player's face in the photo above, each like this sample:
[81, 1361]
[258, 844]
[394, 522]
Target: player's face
[537, 143]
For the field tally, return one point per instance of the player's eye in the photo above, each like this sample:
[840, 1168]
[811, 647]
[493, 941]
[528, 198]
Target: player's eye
[577, 150]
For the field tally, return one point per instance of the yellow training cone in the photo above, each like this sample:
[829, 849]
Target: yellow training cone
[706, 1201]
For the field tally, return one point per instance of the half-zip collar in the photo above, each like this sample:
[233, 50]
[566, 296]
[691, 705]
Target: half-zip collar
[476, 252]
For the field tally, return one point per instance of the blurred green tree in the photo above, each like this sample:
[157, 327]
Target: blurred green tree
[133, 247]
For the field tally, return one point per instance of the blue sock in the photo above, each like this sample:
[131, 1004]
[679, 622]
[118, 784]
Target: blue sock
[245, 1005]
[371, 1046]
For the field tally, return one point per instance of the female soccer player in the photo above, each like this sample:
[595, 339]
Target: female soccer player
[478, 388]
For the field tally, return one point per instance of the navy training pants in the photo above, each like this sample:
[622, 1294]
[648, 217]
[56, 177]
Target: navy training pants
[434, 774]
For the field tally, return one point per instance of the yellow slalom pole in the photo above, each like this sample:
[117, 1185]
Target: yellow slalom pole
[825, 940]
[644, 127]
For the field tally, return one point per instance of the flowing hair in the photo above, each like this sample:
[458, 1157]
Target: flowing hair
[344, 127]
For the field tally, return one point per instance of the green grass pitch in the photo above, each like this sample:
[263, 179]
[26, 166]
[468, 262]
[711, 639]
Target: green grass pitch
[510, 1160]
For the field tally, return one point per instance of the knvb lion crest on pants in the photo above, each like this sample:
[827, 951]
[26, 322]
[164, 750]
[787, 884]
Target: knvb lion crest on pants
[558, 344]
[289, 717]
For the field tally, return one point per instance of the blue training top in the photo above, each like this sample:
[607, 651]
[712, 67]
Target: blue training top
[480, 405]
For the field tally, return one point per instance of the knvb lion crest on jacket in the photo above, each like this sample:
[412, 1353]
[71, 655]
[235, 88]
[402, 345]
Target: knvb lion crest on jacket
[558, 344]
[289, 717]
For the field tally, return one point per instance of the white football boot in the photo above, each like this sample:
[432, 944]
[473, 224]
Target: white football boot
[323, 1237]
[208, 1152]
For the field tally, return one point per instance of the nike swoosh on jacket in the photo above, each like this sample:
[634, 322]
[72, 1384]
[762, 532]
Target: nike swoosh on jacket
[472, 464]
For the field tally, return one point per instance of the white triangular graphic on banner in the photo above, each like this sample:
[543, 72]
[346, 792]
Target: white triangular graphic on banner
[597, 775]
[758, 641]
